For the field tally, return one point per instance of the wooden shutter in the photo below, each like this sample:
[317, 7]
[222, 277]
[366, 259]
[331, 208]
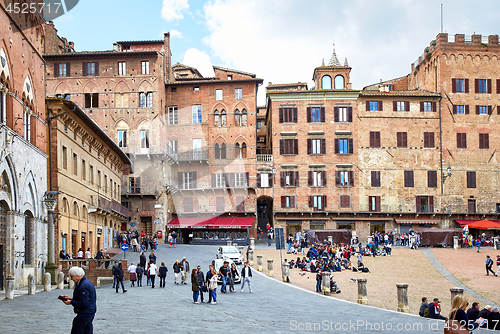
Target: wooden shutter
[281, 115]
[337, 178]
[179, 180]
[282, 146]
[394, 105]
[56, 70]
[476, 85]
[459, 140]
[296, 178]
[489, 85]
[322, 114]
[337, 149]
[323, 202]
[308, 114]
[309, 178]
[380, 106]
[292, 201]
[68, 69]
[434, 106]
[404, 137]
[375, 179]
[408, 178]
[84, 68]
[431, 203]
[432, 179]
[453, 85]
[336, 114]
[421, 106]
[481, 140]
[283, 201]
[418, 204]
[466, 109]
[407, 105]
[350, 146]
[97, 68]
[367, 105]
[270, 179]
[311, 201]
[490, 110]
[294, 111]
[349, 114]
[309, 146]
[295, 146]
[323, 178]
[454, 109]
[351, 178]
[323, 145]
[498, 86]
[257, 180]
[486, 140]
[466, 85]
[471, 179]
[195, 180]
[282, 179]
[247, 179]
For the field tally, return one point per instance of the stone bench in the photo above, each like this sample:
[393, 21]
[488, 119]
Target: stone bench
[104, 281]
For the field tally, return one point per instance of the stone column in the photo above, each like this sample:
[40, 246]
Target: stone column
[362, 296]
[50, 200]
[229, 242]
[259, 262]
[455, 242]
[46, 282]
[403, 298]
[9, 287]
[270, 271]
[60, 280]
[252, 243]
[285, 272]
[455, 292]
[325, 282]
[250, 257]
[496, 244]
[31, 284]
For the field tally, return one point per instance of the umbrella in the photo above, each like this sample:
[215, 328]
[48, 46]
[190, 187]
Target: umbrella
[484, 225]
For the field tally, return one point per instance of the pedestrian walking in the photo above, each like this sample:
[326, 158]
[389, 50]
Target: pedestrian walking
[133, 274]
[152, 257]
[139, 271]
[489, 264]
[177, 271]
[174, 238]
[246, 275]
[153, 271]
[201, 282]
[233, 272]
[119, 278]
[195, 285]
[170, 240]
[142, 260]
[83, 301]
[212, 286]
[113, 272]
[163, 274]
[207, 281]
[498, 265]
[185, 270]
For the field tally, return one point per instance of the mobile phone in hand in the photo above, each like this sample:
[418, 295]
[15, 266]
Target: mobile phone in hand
[62, 298]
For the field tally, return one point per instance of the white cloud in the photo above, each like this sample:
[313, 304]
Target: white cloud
[176, 34]
[284, 40]
[173, 9]
[200, 60]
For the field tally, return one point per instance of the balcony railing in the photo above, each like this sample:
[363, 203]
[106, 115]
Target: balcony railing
[264, 158]
[213, 208]
[198, 155]
[113, 205]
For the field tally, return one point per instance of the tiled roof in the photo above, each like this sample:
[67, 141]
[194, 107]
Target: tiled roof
[399, 93]
[186, 81]
[142, 42]
[288, 84]
[235, 71]
[312, 90]
[98, 53]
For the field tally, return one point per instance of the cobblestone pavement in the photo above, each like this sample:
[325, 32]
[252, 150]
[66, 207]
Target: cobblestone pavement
[443, 271]
[274, 307]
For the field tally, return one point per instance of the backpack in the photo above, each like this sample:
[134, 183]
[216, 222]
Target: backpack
[426, 312]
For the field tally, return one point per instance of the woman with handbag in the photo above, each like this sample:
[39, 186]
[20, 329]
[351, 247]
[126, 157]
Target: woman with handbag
[458, 321]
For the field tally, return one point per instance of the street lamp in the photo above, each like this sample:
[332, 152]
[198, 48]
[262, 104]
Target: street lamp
[50, 200]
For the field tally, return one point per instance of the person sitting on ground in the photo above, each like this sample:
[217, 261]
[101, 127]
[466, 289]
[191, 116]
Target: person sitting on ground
[362, 268]
[473, 312]
[333, 285]
[435, 310]
[292, 264]
[424, 308]
[484, 313]
[312, 267]
[493, 319]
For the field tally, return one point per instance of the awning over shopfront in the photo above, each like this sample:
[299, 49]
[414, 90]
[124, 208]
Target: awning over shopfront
[418, 221]
[214, 222]
[463, 222]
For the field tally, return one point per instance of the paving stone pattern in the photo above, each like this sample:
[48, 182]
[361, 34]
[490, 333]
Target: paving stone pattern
[274, 307]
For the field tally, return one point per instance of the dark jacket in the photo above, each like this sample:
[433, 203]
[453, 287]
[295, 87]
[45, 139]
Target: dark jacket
[139, 271]
[177, 268]
[493, 321]
[201, 279]
[84, 298]
[243, 272]
[424, 306]
[113, 269]
[99, 255]
[142, 260]
[472, 313]
[195, 284]
[119, 273]
[484, 313]
[163, 271]
[152, 257]
[462, 317]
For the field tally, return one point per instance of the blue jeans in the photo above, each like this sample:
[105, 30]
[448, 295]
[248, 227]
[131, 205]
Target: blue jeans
[318, 286]
[224, 282]
[213, 293]
[82, 325]
[269, 241]
[195, 295]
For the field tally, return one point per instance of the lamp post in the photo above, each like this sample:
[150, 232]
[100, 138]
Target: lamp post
[50, 200]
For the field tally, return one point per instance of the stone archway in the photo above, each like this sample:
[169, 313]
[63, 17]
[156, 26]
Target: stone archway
[264, 213]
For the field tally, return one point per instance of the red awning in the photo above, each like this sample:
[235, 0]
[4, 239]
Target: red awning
[233, 222]
[463, 222]
[214, 222]
[190, 222]
[202, 222]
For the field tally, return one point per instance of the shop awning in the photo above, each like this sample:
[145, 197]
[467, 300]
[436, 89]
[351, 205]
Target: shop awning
[190, 222]
[418, 221]
[214, 222]
[233, 223]
[463, 222]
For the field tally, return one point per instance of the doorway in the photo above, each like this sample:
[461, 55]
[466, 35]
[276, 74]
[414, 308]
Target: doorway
[74, 244]
[84, 248]
[377, 227]
[264, 213]
[147, 225]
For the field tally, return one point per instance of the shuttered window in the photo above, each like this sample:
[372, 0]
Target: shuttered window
[482, 86]
[374, 106]
[316, 146]
[344, 178]
[374, 139]
[401, 138]
[289, 146]
[315, 114]
[345, 201]
[484, 141]
[429, 139]
[288, 115]
[375, 179]
[342, 114]
[374, 204]
[461, 140]
[289, 179]
[428, 106]
[471, 179]
[460, 85]
[317, 202]
[401, 105]
[409, 183]
[432, 179]
[344, 146]
[288, 202]
[460, 109]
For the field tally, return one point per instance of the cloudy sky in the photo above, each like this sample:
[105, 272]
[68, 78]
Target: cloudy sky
[282, 41]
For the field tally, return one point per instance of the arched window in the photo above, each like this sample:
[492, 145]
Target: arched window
[326, 82]
[244, 118]
[339, 82]
[237, 151]
[216, 118]
[217, 151]
[223, 151]
[223, 118]
[28, 237]
[237, 117]
[244, 150]
[84, 209]
[64, 205]
[75, 209]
